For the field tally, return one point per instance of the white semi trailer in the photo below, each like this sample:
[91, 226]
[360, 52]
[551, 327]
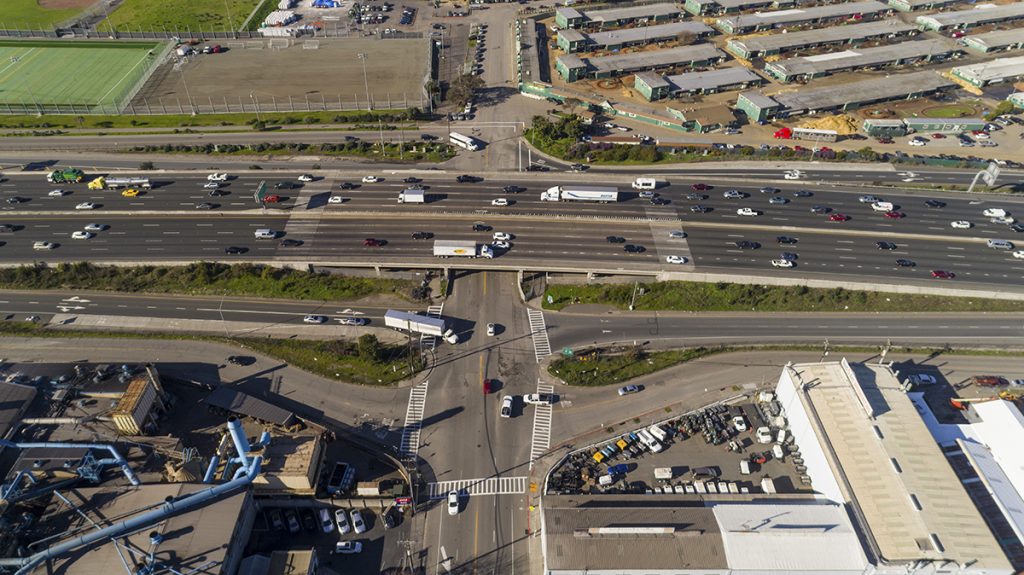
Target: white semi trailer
[603, 194]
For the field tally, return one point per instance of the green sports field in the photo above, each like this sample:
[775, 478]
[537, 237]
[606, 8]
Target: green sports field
[52, 73]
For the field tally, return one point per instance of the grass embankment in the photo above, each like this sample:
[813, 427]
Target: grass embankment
[188, 121]
[697, 296]
[204, 278]
[181, 15]
[410, 151]
[604, 367]
[29, 14]
[360, 362]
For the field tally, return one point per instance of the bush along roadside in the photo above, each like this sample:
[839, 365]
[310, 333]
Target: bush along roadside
[393, 151]
[607, 366]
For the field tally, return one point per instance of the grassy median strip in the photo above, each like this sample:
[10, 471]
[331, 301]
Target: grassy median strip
[365, 361]
[607, 367]
[187, 120]
[698, 296]
[205, 278]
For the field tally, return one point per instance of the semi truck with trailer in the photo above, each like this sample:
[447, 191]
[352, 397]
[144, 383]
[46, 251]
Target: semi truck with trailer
[102, 183]
[462, 249]
[416, 323]
[65, 176]
[603, 194]
[412, 196]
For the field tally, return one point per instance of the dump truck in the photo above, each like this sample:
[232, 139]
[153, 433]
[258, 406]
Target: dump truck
[65, 176]
[461, 248]
[412, 196]
[601, 194]
[102, 183]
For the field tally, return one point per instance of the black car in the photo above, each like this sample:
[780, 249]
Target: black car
[15, 200]
[789, 256]
[820, 210]
[464, 179]
[512, 189]
[412, 180]
[696, 197]
[934, 204]
[885, 245]
[659, 202]
[427, 137]
[770, 190]
[481, 227]
[747, 245]
[905, 263]
[216, 193]
[348, 186]
[234, 250]
[423, 235]
[616, 239]
[632, 249]
[285, 186]
[1016, 227]
[537, 168]
[786, 239]
[308, 520]
[388, 518]
[577, 167]
[802, 194]
[290, 243]
[699, 209]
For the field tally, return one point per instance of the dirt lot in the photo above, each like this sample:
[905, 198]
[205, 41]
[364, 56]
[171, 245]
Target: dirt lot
[333, 71]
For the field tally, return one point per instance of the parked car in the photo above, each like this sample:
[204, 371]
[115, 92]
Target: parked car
[628, 389]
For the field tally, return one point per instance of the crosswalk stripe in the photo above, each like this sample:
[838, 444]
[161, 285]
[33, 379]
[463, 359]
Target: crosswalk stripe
[539, 333]
[480, 486]
[413, 418]
[541, 426]
[429, 342]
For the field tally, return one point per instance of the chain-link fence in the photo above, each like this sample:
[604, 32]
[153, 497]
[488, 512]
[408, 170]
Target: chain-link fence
[336, 31]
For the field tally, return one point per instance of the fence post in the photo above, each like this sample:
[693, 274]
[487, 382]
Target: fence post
[274, 99]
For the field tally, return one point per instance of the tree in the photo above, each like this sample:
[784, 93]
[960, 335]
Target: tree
[1004, 107]
[147, 166]
[572, 104]
[461, 90]
[368, 347]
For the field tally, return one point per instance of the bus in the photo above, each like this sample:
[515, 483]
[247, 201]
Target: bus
[462, 141]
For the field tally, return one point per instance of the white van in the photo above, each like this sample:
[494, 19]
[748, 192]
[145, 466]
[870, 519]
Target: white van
[265, 234]
[745, 466]
[882, 206]
[645, 184]
[649, 441]
[1000, 244]
[658, 433]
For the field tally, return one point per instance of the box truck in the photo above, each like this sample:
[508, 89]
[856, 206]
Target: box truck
[601, 194]
[65, 176]
[462, 249]
[412, 196]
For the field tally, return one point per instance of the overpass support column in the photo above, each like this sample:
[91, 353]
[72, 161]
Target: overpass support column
[377, 269]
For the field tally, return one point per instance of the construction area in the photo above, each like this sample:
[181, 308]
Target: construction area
[287, 74]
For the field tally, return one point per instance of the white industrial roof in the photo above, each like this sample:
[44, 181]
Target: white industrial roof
[776, 17]
[813, 538]
[998, 69]
[976, 15]
[1001, 430]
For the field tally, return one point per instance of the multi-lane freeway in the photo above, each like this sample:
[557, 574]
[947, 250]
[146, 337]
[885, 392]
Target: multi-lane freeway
[165, 224]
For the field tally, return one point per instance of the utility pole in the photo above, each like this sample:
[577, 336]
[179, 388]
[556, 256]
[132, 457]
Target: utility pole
[380, 127]
[366, 84]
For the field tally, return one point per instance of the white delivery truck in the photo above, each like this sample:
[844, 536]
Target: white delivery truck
[658, 433]
[882, 206]
[601, 194]
[664, 473]
[462, 249]
[645, 183]
[649, 441]
[414, 322]
[412, 196]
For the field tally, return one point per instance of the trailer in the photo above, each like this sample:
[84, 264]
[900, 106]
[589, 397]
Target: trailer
[412, 196]
[102, 183]
[461, 248]
[603, 194]
[65, 176]
[414, 322]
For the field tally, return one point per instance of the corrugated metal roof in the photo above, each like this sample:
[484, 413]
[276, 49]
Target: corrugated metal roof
[642, 11]
[241, 403]
[14, 400]
[981, 14]
[711, 79]
[996, 38]
[998, 69]
[650, 33]
[861, 57]
[872, 89]
[852, 32]
[655, 59]
[804, 15]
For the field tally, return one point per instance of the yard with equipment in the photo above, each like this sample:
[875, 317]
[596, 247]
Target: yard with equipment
[39, 14]
[158, 15]
[51, 75]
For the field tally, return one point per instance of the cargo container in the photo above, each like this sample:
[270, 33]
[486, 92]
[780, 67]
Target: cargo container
[462, 248]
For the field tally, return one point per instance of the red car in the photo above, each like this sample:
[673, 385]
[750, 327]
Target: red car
[272, 199]
[938, 137]
[894, 215]
[943, 275]
[488, 386]
[700, 187]
[838, 218]
[373, 242]
[884, 140]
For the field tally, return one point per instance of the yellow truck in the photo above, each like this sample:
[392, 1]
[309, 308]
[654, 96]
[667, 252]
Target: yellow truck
[103, 183]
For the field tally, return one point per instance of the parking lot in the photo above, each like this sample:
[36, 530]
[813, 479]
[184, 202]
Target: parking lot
[703, 449]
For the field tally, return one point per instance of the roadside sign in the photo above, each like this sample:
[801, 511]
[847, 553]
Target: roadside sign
[261, 192]
[551, 300]
[990, 174]
[567, 352]
[403, 500]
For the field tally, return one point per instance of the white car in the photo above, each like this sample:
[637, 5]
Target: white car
[335, 200]
[502, 245]
[491, 328]
[370, 179]
[995, 213]
[1019, 254]
[95, 227]
[869, 199]
[502, 236]
[764, 435]
[793, 175]
[57, 193]
[675, 259]
[218, 177]
[306, 178]
[86, 206]
[782, 263]
[961, 224]
[353, 321]
[341, 518]
[676, 235]
[314, 319]
[739, 423]
[981, 136]
[82, 235]
[348, 547]
[499, 202]
[1007, 220]
[43, 245]
[453, 503]
[506, 407]
[211, 186]
[916, 142]
[747, 212]
[357, 521]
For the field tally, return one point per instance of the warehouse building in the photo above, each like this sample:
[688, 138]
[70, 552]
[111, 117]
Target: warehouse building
[884, 128]
[719, 7]
[828, 13]
[654, 87]
[571, 41]
[810, 67]
[992, 72]
[864, 444]
[996, 41]
[914, 5]
[852, 95]
[703, 119]
[758, 108]
[979, 16]
[572, 68]
[854, 34]
[566, 17]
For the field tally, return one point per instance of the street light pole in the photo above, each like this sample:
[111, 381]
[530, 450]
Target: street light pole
[366, 83]
[257, 106]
